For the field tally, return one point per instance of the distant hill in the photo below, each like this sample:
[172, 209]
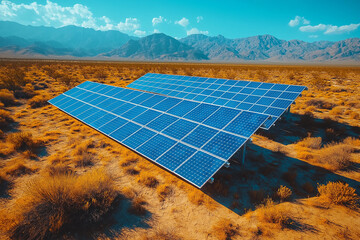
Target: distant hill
[157, 47]
[269, 48]
[81, 39]
[17, 40]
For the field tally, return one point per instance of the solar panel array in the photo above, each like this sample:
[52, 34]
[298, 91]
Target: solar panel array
[259, 97]
[191, 139]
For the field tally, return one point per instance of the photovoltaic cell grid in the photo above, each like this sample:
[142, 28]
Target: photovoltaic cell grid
[193, 140]
[267, 98]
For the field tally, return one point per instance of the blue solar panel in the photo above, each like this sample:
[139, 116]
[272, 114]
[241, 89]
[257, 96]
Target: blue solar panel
[176, 156]
[199, 168]
[219, 91]
[179, 129]
[183, 136]
[200, 136]
[156, 146]
[246, 123]
[139, 138]
[224, 145]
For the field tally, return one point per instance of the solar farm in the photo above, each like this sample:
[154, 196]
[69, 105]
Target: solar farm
[144, 150]
[190, 126]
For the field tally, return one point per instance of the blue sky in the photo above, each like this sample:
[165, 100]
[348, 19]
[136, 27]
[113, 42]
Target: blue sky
[292, 19]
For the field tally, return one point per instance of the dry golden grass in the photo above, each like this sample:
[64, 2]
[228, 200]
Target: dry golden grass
[225, 229]
[55, 204]
[137, 206]
[5, 119]
[23, 141]
[283, 193]
[332, 96]
[38, 101]
[311, 142]
[335, 156]
[164, 191]
[274, 214]
[338, 193]
[148, 179]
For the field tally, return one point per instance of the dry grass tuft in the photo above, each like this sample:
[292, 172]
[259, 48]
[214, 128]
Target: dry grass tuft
[148, 180]
[164, 191]
[270, 213]
[225, 229]
[283, 193]
[7, 98]
[54, 205]
[38, 101]
[311, 142]
[23, 141]
[338, 193]
[5, 119]
[335, 156]
[17, 167]
[137, 206]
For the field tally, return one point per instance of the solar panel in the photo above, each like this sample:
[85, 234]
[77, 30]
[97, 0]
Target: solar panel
[192, 140]
[258, 97]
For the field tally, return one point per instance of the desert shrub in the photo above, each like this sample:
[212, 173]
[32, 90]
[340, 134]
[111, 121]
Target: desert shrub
[23, 141]
[335, 156]
[225, 229]
[164, 191]
[13, 79]
[354, 115]
[7, 98]
[257, 196]
[58, 169]
[83, 147]
[38, 101]
[270, 213]
[27, 91]
[318, 82]
[132, 171]
[336, 110]
[283, 193]
[137, 206]
[320, 103]
[53, 205]
[338, 193]
[311, 142]
[17, 167]
[148, 180]
[5, 119]
[83, 160]
[352, 141]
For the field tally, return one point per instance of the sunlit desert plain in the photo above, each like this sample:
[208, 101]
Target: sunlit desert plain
[60, 178]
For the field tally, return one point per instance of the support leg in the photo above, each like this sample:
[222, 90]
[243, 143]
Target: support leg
[244, 151]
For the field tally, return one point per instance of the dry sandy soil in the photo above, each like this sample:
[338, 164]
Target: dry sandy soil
[316, 143]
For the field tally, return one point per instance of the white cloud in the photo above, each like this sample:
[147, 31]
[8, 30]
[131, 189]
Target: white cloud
[199, 18]
[183, 22]
[156, 31]
[309, 28]
[196, 31]
[298, 20]
[342, 29]
[139, 33]
[158, 20]
[130, 24]
[329, 29]
[54, 15]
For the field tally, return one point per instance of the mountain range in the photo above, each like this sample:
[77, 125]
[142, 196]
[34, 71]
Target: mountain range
[17, 40]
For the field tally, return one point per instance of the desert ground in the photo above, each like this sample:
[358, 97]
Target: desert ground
[60, 179]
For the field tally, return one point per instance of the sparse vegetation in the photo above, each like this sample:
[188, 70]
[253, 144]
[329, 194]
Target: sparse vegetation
[53, 205]
[52, 145]
[338, 193]
[225, 229]
[283, 193]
